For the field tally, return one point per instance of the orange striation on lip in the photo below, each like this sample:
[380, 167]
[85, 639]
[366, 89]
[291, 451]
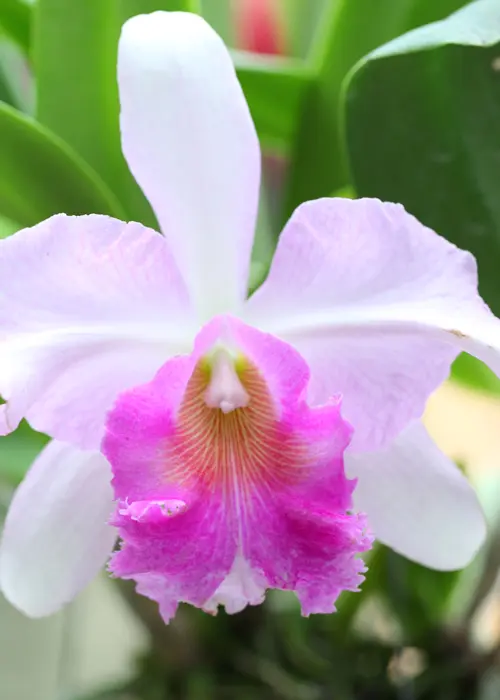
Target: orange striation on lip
[248, 451]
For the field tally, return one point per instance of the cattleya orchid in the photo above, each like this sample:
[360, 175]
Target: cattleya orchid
[225, 422]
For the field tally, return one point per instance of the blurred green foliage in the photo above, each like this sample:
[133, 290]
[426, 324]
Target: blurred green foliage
[77, 98]
[272, 653]
[15, 22]
[41, 175]
[415, 120]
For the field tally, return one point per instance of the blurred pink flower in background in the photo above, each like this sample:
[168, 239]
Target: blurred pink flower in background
[259, 26]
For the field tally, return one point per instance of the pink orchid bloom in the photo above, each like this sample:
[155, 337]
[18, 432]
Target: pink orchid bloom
[225, 440]
[229, 484]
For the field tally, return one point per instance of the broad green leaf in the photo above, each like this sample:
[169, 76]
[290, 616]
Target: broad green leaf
[274, 89]
[15, 21]
[347, 32]
[422, 124]
[41, 176]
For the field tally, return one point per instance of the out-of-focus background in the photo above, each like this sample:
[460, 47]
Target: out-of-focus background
[417, 122]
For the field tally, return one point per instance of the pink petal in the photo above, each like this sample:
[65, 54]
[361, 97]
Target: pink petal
[99, 307]
[56, 536]
[378, 305]
[190, 142]
[216, 506]
[418, 502]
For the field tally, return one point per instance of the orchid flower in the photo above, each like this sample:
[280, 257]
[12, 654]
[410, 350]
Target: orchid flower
[221, 416]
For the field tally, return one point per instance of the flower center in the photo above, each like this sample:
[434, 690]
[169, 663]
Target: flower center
[225, 390]
[229, 437]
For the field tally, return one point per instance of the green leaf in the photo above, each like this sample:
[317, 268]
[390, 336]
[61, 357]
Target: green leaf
[75, 49]
[7, 227]
[347, 32]
[6, 92]
[422, 123]
[16, 80]
[15, 20]
[263, 245]
[218, 14]
[274, 89]
[301, 20]
[130, 8]
[41, 176]
[18, 451]
[474, 374]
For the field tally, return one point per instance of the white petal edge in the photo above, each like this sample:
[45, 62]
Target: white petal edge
[55, 538]
[418, 502]
[190, 143]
